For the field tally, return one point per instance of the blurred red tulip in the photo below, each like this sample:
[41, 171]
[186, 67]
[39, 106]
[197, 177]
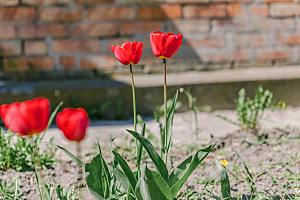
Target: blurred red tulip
[73, 122]
[128, 53]
[27, 117]
[165, 45]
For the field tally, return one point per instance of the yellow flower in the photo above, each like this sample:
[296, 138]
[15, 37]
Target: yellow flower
[224, 162]
[281, 105]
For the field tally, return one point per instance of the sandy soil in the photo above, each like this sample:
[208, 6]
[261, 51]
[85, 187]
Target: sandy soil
[273, 160]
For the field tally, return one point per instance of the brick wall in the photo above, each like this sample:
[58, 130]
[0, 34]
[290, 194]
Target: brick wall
[72, 36]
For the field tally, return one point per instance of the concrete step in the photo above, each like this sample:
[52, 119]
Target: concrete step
[111, 98]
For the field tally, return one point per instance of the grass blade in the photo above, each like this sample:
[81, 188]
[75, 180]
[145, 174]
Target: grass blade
[72, 156]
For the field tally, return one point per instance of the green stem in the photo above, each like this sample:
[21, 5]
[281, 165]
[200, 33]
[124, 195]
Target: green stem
[166, 111]
[80, 171]
[37, 167]
[134, 114]
[133, 98]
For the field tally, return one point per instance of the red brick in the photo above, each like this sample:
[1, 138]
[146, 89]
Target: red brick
[57, 14]
[9, 2]
[15, 64]
[192, 26]
[273, 55]
[235, 10]
[28, 63]
[246, 25]
[140, 27]
[90, 2]
[35, 48]
[260, 10]
[10, 48]
[40, 63]
[212, 10]
[278, 1]
[190, 1]
[17, 13]
[112, 13]
[291, 40]
[159, 12]
[98, 62]
[284, 9]
[91, 46]
[250, 40]
[7, 32]
[68, 62]
[209, 42]
[41, 31]
[223, 57]
[45, 2]
[95, 29]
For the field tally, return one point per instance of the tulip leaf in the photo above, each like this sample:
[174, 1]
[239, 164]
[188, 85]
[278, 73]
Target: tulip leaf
[72, 156]
[225, 184]
[140, 147]
[156, 159]
[152, 186]
[44, 195]
[121, 178]
[167, 130]
[98, 179]
[180, 174]
[52, 116]
[126, 169]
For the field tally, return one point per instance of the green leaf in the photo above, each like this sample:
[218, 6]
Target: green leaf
[152, 186]
[121, 179]
[180, 175]
[126, 169]
[156, 159]
[44, 195]
[225, 184]
[53, 114]
[95, 178]
[72, 156]
[106, 174]
[140, 147]
[169, 125]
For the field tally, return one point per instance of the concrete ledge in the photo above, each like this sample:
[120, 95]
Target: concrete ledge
[218, 76]
[111, 98]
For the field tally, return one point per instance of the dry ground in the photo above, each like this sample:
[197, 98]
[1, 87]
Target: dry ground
[273, 159]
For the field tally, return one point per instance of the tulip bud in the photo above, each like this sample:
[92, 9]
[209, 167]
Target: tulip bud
[73, 122]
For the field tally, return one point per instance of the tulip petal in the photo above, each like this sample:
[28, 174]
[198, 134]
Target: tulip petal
[137, 51]
[122, 55]
[73, 122]
[158, 40]
[172, 45]
[27, 117]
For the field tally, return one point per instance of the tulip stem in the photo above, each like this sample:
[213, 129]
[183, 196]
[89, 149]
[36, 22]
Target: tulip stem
[80, 171]
[133, 97]
[134, 111]
[166, 111]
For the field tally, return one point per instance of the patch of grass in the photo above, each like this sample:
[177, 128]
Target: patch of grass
[10, 191]
[249, 110]
[19, 153]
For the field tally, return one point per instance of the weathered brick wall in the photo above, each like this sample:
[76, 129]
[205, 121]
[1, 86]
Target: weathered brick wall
[71, 36]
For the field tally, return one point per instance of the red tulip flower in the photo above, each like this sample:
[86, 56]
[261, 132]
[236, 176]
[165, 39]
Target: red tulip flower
[73, 122]
[128, 53]
[165, 45]
[27, 117]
